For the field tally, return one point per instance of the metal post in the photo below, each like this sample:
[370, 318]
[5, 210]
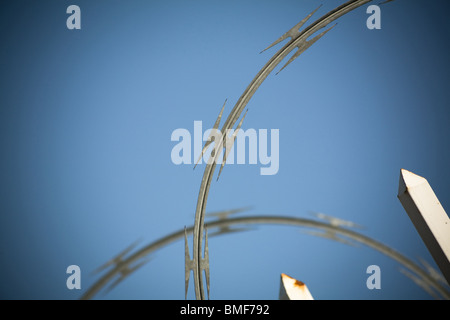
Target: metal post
[292, 289]
[428, 216]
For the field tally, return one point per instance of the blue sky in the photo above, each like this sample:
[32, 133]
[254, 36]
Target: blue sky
[86, 118]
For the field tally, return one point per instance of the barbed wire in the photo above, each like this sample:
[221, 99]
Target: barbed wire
[140, 257]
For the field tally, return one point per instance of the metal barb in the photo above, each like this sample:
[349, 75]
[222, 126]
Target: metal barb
[223, 214]
[331, 235]
[294, 31]
[190, 263]
[229, 144]
[302, 46]
[420, 282]
[337, 222]
[435, 274]
[125, 272]
[215, 127]
[118, 259]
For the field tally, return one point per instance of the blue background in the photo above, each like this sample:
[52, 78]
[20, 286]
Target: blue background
[86, 118]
